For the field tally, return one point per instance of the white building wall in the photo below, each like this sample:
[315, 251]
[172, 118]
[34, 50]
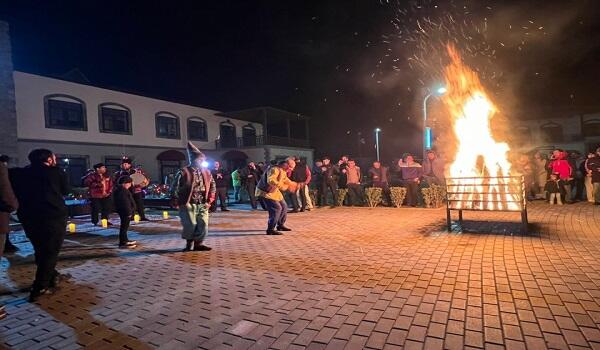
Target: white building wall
[30, 91]
[573, 128]
[143, 145]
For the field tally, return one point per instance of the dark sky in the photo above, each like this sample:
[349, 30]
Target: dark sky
[309, 57]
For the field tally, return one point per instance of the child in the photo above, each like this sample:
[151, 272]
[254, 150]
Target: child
[125, 207]
[553, 187]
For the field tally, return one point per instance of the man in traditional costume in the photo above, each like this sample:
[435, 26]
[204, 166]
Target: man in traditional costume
[193, 191]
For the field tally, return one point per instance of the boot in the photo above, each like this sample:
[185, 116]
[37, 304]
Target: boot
[198, 246]
[188, 245]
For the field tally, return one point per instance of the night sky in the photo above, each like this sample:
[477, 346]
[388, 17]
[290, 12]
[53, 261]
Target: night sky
[345, 63]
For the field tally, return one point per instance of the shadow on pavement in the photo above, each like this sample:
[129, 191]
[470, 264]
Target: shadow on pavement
[90, 332]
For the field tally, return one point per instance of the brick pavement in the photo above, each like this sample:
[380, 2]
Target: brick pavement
[350, 278]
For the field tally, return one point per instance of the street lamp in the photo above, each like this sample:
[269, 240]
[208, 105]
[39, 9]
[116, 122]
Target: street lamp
[377, 131]
[426, 130]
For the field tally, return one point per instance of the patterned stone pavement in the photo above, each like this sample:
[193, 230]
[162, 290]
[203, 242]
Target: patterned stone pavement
[350, 278]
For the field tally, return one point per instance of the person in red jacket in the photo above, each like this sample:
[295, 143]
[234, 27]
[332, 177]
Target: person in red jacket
[560, 165]
[100, 188]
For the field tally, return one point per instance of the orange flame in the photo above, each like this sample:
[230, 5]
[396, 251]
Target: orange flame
[478, 154]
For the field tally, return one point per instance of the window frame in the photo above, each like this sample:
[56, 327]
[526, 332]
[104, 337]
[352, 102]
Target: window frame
[76, 180]
[112, 159]
[552, 125]
[253, 142]
[48, 125]
[101, 119]
[235, 137]
[177, 123]
[197, 119]
[162, 164]
[588, 122]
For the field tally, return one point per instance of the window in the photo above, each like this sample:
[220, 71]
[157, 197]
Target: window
[167, 126]
[65, 112]
[168, 168]
[591, 128]
[249, 135]
[552, 132]
[114, 118]
[197, 129]
[227, 134]
[113, 164]
[75, 167]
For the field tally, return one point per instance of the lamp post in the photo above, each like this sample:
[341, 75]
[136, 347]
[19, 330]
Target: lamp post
[377, 131]
[427, 131]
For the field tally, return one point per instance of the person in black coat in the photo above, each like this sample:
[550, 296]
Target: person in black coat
[301, 198]
[40, 189]
[222, 181]
[250, 176]
[329, 176]
[125, 207]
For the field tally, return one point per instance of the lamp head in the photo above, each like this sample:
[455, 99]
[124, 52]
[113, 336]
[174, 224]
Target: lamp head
[377, 130]
[441, 90]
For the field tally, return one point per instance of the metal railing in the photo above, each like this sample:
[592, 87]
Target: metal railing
[502, 193]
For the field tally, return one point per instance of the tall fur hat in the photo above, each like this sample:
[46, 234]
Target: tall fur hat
[193, 152]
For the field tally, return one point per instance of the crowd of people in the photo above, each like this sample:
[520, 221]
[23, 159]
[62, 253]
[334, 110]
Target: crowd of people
[561, 177]
[36, 192]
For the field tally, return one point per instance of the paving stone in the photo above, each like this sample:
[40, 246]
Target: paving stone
[403, 282]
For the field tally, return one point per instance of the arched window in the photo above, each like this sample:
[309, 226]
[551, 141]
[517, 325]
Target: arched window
[196, 129]
[167, 125]
[249, 135]
[552, 132]
[65, 112]
[114, 118]
[227, 134]
[591, 128]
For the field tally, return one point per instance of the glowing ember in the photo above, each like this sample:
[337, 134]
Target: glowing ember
[480, 161]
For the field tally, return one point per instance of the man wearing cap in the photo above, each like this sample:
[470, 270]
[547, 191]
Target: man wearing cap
[192, 192]
[125, 207]
[100, 188]
[137, 190]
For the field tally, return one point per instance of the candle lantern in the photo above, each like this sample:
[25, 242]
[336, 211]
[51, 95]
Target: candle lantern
[136, 218]
[71, 228]
[165, 214]
[104, 223]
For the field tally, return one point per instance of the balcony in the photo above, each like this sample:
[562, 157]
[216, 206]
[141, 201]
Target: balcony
[279, 128]
[261, 140]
